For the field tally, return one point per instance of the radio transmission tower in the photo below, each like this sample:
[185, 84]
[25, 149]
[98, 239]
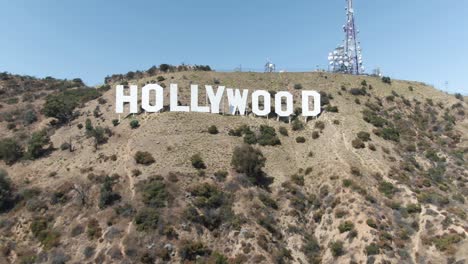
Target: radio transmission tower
[347, 58]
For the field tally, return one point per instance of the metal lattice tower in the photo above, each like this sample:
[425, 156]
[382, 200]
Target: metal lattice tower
[347, 58]
[269, 66]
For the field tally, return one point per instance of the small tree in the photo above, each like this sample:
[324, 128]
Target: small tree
[107, 195]
[6, 191]
[36, 144]
[250, 161]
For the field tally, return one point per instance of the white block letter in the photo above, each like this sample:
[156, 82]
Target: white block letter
[120, 99]
[194, 100]
[215, 99]
[289, 103]
[305, 103]
[237, 101]
[266, 103]
[175, 107]
[145, 98]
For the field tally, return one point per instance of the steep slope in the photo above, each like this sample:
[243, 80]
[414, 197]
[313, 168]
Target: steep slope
[394, 195]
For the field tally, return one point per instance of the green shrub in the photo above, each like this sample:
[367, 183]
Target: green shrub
[320, 125]
[250, 138]
[413, 208]
[29, 117]
[371, 222]
[36, 144]
[221, 175]
[41, 231]
[364, 136]
[153, 192]
[372, 118]
[93, 230]
[268, 136]
[250, 161]
[207, 196]
[197, 162]
[144, 157]
[389, 133]
[372, 249]
[61, 105]
[298, 86]
[283, 131]
[357, 143]
[332, 109]
[268, 201]
[358, 91]
[107, 196]
[445, 242]
[433, 198]
[10, 151]
[147, 219]
[238, 132]
[115, 122]
[337, 248]
[190, 250]
[386, 80]
[213, 130]
[315, 135]
[297, 125]
[459, 96]
[99, 136]
[300, 140]
[387, 188]
[6, 191]
[311, 249]
[346, 226]
[298, 179]
[134, 124]
[160, 78]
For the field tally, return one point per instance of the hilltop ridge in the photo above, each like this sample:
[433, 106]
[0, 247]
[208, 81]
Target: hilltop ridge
[379, 177]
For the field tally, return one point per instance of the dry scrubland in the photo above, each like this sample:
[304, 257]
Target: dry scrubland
[380, 179]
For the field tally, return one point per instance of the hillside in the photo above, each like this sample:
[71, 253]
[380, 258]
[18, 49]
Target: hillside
[379, 177]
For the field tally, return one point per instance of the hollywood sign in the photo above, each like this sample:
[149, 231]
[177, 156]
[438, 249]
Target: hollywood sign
[152, 100]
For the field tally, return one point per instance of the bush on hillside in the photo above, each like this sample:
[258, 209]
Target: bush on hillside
[134, 124]
[62, 105]
[358, 144]
[250, 161]
[144, 157]
[213, 130]
[197, 162]
[386, 80]
[283, 131]
[364, 136]
[108, 196]
[268, 136]
[337, 248]
[300, 140]
[298, 86]
[297, 125]
[147, 219]
[36, 144]
[6, 191]
[10, 151]
[154, 193]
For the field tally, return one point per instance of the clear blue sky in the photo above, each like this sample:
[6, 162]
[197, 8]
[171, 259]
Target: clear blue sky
[423, 40]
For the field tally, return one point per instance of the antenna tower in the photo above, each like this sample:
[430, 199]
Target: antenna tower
[347, 58]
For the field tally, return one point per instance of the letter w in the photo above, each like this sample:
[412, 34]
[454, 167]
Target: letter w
[237, 102]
